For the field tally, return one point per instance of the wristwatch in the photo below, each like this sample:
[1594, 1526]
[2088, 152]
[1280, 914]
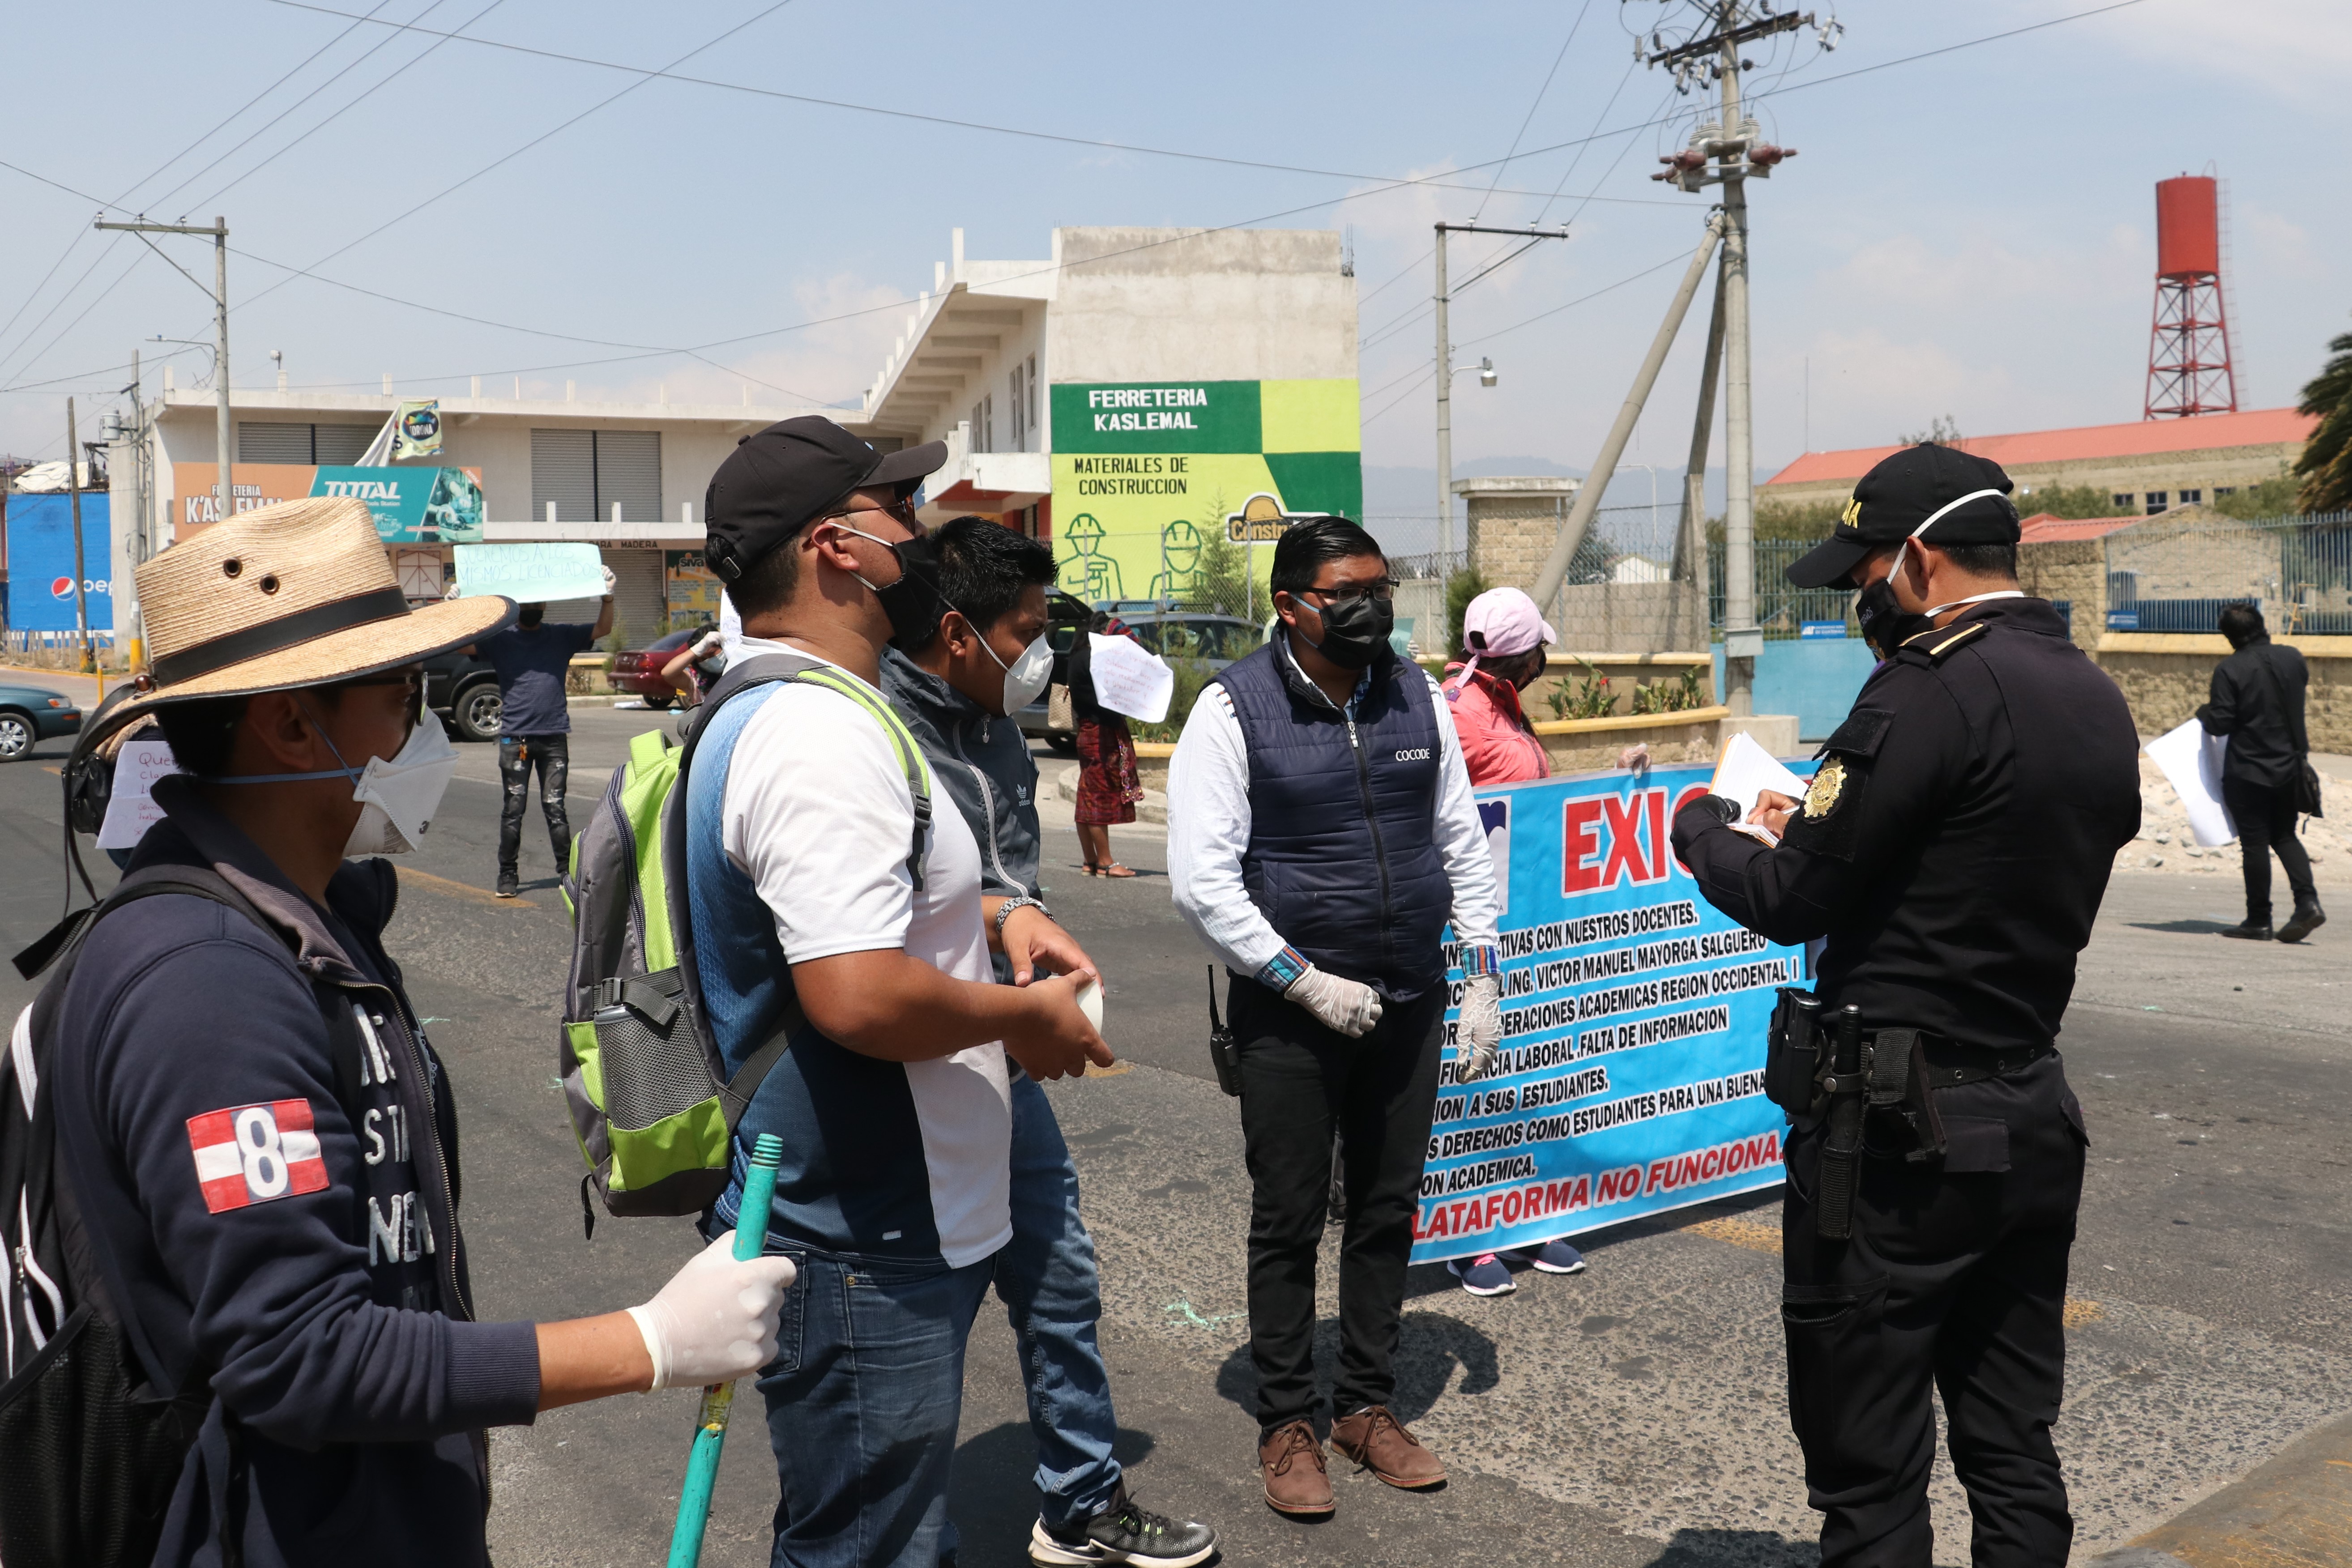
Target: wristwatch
[1004, 910]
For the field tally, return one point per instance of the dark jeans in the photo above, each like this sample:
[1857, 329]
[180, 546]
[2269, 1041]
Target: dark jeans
[1954, 1278]
[517, 755]
[2266, 818]
[863, 1399]
[1300, 1084]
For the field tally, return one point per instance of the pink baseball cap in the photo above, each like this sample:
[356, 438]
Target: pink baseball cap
[1502, 622]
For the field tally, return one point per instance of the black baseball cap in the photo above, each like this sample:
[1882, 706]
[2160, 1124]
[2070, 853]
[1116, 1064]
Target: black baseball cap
[778, 480]
[1966, 495]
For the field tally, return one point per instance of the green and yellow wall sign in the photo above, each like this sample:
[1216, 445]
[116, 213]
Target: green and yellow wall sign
[1145, 473]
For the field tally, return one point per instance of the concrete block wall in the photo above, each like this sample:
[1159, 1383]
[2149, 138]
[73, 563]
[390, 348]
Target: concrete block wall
[2070, 569]
[1510, 535]
[2166, 677]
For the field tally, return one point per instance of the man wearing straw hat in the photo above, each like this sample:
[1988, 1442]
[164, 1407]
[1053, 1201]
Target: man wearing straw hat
[260, 1139]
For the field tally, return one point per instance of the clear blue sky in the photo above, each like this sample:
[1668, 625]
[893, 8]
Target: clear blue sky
[1970, 234]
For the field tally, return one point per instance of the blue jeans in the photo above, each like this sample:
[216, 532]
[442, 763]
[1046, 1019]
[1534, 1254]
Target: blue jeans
[863, 1399]
[1045, 1278]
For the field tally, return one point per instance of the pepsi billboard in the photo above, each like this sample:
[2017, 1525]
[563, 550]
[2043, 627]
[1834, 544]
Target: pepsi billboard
[41, 562]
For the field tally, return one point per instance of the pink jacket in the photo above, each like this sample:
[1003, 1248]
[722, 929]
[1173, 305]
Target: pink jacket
[1498, 745]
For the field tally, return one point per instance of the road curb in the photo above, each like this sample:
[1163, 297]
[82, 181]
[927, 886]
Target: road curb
[2292, 1511]
[1153, 808]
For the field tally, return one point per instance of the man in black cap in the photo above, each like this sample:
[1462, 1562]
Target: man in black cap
[834, 902]
[1952, 848]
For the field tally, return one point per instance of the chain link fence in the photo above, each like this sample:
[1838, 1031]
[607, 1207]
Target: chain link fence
[2179, 576]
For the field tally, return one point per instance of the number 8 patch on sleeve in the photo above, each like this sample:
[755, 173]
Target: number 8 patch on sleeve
[251, 1153]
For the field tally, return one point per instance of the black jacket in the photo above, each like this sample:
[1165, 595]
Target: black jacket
[2245, 706]
[264, 1148]
[1956, 840]
[982, 762]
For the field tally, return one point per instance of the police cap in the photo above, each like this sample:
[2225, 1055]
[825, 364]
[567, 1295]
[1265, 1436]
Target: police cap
[1940, 493]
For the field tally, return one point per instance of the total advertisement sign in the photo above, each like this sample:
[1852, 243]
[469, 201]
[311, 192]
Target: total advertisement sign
[41, 562]
[410, 505]
[1146, 472]
[1632, 1075]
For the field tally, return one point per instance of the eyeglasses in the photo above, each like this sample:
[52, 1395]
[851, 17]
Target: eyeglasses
[903, 510]
[412, 679]
[1380, 592]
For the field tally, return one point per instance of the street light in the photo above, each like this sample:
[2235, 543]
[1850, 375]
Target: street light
[218, 230]
[1487, 376]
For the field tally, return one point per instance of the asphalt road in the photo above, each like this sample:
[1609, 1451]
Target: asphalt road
[1632, 1415]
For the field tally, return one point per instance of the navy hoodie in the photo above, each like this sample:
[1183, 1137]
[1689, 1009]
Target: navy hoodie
[264, 1148]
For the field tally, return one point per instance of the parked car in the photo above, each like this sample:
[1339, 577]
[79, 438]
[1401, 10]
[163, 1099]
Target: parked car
[31, 715]
[464, 690]
[1169, 631]
[639, 670]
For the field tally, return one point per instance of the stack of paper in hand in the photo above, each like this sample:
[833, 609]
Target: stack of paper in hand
[2192, 760]
[1745, 770]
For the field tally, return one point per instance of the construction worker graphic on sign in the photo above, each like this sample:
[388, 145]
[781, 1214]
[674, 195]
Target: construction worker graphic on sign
[1090, 574]
[1180, 561]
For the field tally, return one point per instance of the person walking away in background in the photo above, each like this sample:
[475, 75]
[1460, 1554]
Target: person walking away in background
[261, 1140]
[1507, 637]
[532, 659]
[832, 909]
[1321, 832]
[1109, 782]
[1952, 848]
[2257, 700]
[986, 659]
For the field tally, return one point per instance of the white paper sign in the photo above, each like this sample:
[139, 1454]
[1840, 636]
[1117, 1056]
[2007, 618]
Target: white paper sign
[1130, 680]
[2192, 760]
[530, 574]
[1745, 770]
[131, 811]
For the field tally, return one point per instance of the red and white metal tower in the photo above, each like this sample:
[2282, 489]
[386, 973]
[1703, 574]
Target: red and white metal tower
[2189, 346]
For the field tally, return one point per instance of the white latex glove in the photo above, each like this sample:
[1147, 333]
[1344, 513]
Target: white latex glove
[1481, 1025]
[711, 643]
[715, 1319]
[608, 579]
[1348, 1007]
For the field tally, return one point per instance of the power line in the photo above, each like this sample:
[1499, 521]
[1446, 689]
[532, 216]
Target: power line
[80, 235]
[1529, 117]
[95, 263]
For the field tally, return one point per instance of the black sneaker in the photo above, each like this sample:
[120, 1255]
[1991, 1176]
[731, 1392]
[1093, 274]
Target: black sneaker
[2307, 917]
[1123, 1533]
[510, 884]
[2250, 931]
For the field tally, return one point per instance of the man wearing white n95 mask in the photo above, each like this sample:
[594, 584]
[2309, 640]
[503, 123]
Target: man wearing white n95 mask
[260, 1140]
[1321, 833]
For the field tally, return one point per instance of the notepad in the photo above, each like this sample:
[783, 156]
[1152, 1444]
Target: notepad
[1745, 770]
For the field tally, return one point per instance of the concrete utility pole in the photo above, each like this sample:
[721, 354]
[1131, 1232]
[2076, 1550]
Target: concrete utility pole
[1596, 485]
[81, 572]
[1730, 153]
[219, 292]
[1445, 375]
[1690, 538]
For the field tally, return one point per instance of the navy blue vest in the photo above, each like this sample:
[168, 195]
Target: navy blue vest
[1343, 858]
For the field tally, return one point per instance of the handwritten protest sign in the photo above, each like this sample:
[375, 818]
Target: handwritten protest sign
[530, 574]
[131, 809]
[1130, 680]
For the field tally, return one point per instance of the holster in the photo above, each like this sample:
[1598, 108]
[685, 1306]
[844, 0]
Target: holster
[1900, 1085]
[1796, 1057]
[1833, 1190]
[1224, 1051]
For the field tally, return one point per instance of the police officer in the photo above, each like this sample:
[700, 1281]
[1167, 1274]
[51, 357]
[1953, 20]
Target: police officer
[1952, 849]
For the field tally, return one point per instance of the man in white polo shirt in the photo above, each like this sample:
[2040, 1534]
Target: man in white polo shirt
[829, 902]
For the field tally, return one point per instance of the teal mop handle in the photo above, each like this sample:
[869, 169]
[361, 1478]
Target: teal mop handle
[717, 1400]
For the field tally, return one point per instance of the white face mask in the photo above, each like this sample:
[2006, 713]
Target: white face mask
[397, 799]
[1026, 675]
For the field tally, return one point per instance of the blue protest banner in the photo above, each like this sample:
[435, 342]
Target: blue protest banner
[1632, 1077]
[530, 574]
[41, 562]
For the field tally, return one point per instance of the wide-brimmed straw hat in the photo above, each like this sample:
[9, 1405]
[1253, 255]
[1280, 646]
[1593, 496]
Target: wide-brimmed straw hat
[297, 594]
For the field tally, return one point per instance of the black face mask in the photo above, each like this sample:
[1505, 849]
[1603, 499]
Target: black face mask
[1354, 632]
[911, 600]
[1884, 622]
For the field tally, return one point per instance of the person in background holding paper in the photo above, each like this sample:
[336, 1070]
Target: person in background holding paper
[1321, 832]
[1507, 637]
[532, 659]
[1109, 782]
[2257, 700]
[984, 659]
[1953, 847]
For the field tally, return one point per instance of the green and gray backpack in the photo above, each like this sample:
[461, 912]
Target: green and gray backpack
[652, 1104]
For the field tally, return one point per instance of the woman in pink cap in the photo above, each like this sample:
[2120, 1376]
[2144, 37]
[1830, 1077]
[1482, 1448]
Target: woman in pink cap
[1506, 635]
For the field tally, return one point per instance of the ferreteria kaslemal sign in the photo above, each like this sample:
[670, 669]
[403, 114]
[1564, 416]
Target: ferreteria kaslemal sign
[1146, 408]
[1630, 1076]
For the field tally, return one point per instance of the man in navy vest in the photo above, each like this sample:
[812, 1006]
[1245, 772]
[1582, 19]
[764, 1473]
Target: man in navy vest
[1321, 831]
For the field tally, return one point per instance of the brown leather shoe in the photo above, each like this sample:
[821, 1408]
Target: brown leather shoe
[1296, 1481]
[1377, 1440]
